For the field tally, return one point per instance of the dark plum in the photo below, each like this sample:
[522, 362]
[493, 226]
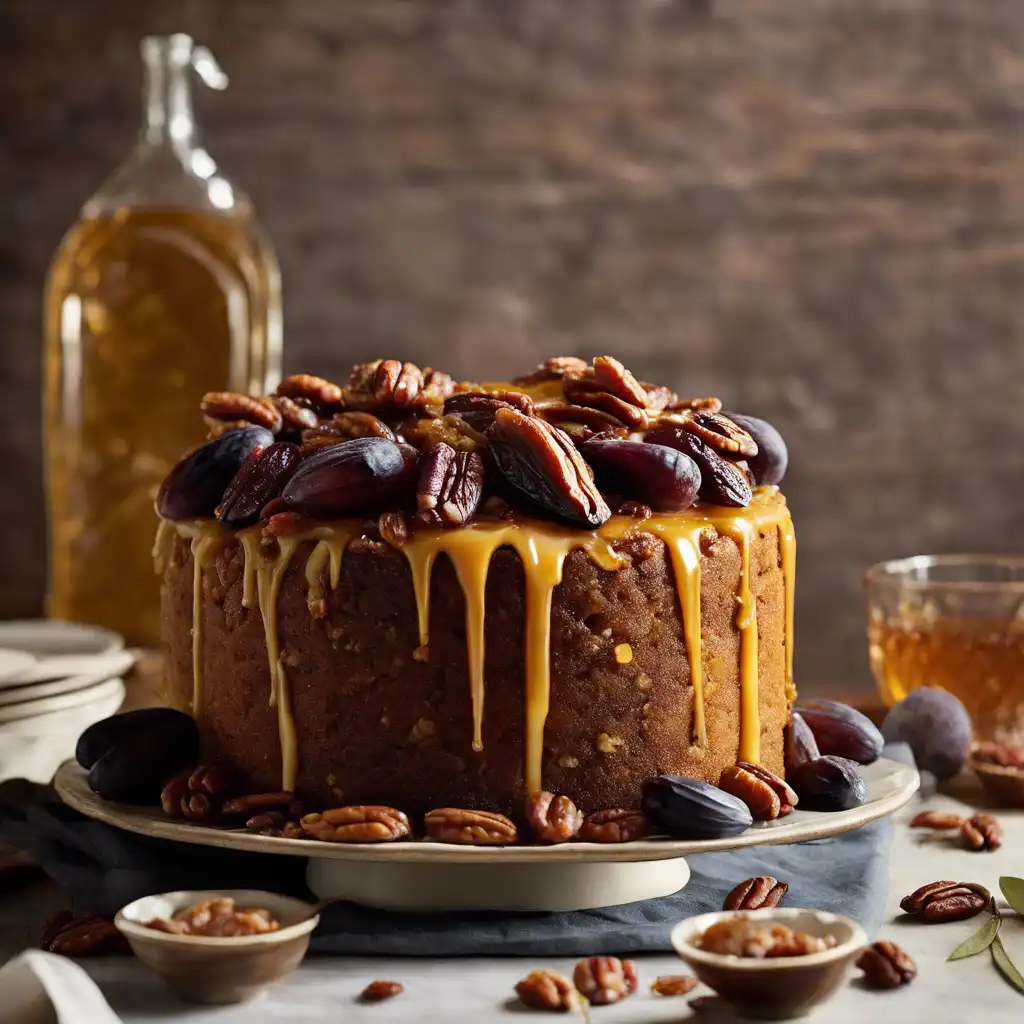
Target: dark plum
[366, 474]
[260, 478]
[828, 783]
[801, 745]
[937, 727]
[139, 757]
[842, 731]
[196, 485]
[661, 477]
[769, 464]
[722, 483]
[104, 735]
[689, 809]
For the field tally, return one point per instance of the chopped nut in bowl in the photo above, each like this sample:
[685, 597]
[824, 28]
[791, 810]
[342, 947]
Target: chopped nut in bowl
[773, 964]
[218, 947]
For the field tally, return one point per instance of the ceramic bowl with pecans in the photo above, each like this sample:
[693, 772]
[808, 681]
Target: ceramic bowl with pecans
[218, 947]
[772, 964]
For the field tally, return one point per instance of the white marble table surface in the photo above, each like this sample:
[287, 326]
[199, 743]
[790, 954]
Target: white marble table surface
[481, 990]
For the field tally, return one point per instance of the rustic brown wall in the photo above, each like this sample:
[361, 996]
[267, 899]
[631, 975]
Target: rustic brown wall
[813, 209]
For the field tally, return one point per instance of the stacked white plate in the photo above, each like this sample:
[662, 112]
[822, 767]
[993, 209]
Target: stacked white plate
[56, 679]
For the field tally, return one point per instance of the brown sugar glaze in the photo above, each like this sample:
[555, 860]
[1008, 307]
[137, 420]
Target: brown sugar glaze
[542, 548]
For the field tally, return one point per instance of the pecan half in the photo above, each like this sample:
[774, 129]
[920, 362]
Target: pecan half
[377, 991]
[709, 404]
[585, 390]
[390, 383]
[562, 413]
[546, 990]
[982, 832]
[673, 984]
[294, 415]
[541, 462]
[360, 424]
[451, 484]
[886, 966]
[767, 796]
[231, 407]
[89, 935]
[756, 894]
[936, 820]
[198, 794]
[946, 901]
[319, 392]
[615, 379]
[617, 825]
[605, 979]
[358, 823]
[721, 433]
[397, 383]
[478, 408]
[470, 828]
[554, 819]
[554, 368]
[256, 803]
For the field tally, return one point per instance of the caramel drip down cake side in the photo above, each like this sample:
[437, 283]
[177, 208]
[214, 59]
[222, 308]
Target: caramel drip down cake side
[542, 548]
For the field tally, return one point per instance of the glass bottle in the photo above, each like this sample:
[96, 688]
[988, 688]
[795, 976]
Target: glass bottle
[164, 288]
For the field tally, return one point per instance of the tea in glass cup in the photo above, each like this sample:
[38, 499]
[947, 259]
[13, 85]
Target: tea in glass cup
[957, 622]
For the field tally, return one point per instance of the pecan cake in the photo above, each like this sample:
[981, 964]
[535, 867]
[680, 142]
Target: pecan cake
[418, 592]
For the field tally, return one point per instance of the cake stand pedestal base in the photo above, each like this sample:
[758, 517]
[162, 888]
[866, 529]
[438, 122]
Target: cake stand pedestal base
[551, 886]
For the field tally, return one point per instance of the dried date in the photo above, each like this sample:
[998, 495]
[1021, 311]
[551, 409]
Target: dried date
[542, 463]
[261, 478]
[661, 477]
[722, 483]
[378, 991]
[89, 935]
[768, 466]
[478, 409]
[362, 475]
[720, 433]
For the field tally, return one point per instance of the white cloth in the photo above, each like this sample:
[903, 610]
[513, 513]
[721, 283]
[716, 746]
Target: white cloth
[42, 988]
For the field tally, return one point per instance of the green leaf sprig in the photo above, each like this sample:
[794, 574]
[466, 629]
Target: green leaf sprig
[987, 936]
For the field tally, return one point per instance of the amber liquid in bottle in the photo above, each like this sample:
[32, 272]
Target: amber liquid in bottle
[165, 288]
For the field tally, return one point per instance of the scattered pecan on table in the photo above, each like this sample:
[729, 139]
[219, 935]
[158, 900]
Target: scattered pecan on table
[548, 990]
[942, 901]
[469, 828]
[674, 984]
[756, 894]
[886, 966]
[939, 820]
[605, 979]
[982, 832]
[378, 991]
[767, 796]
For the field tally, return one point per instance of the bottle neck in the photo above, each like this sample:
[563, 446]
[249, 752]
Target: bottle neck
[167, 104]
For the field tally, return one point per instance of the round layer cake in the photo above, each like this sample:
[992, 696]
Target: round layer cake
[501, 632]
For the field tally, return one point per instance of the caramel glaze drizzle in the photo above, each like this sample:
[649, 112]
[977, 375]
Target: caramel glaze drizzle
[543, 548]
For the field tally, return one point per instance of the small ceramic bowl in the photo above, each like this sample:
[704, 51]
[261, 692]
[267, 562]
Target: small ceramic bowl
[202, 969]
[779, 988]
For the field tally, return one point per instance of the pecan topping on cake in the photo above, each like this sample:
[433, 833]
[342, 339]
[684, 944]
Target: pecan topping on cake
[563, 442]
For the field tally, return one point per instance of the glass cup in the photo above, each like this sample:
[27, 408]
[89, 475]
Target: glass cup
[954, 621]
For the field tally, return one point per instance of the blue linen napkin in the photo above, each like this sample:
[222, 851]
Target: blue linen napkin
[103, 868]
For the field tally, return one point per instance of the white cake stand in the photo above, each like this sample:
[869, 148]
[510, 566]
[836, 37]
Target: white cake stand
[424, 875]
